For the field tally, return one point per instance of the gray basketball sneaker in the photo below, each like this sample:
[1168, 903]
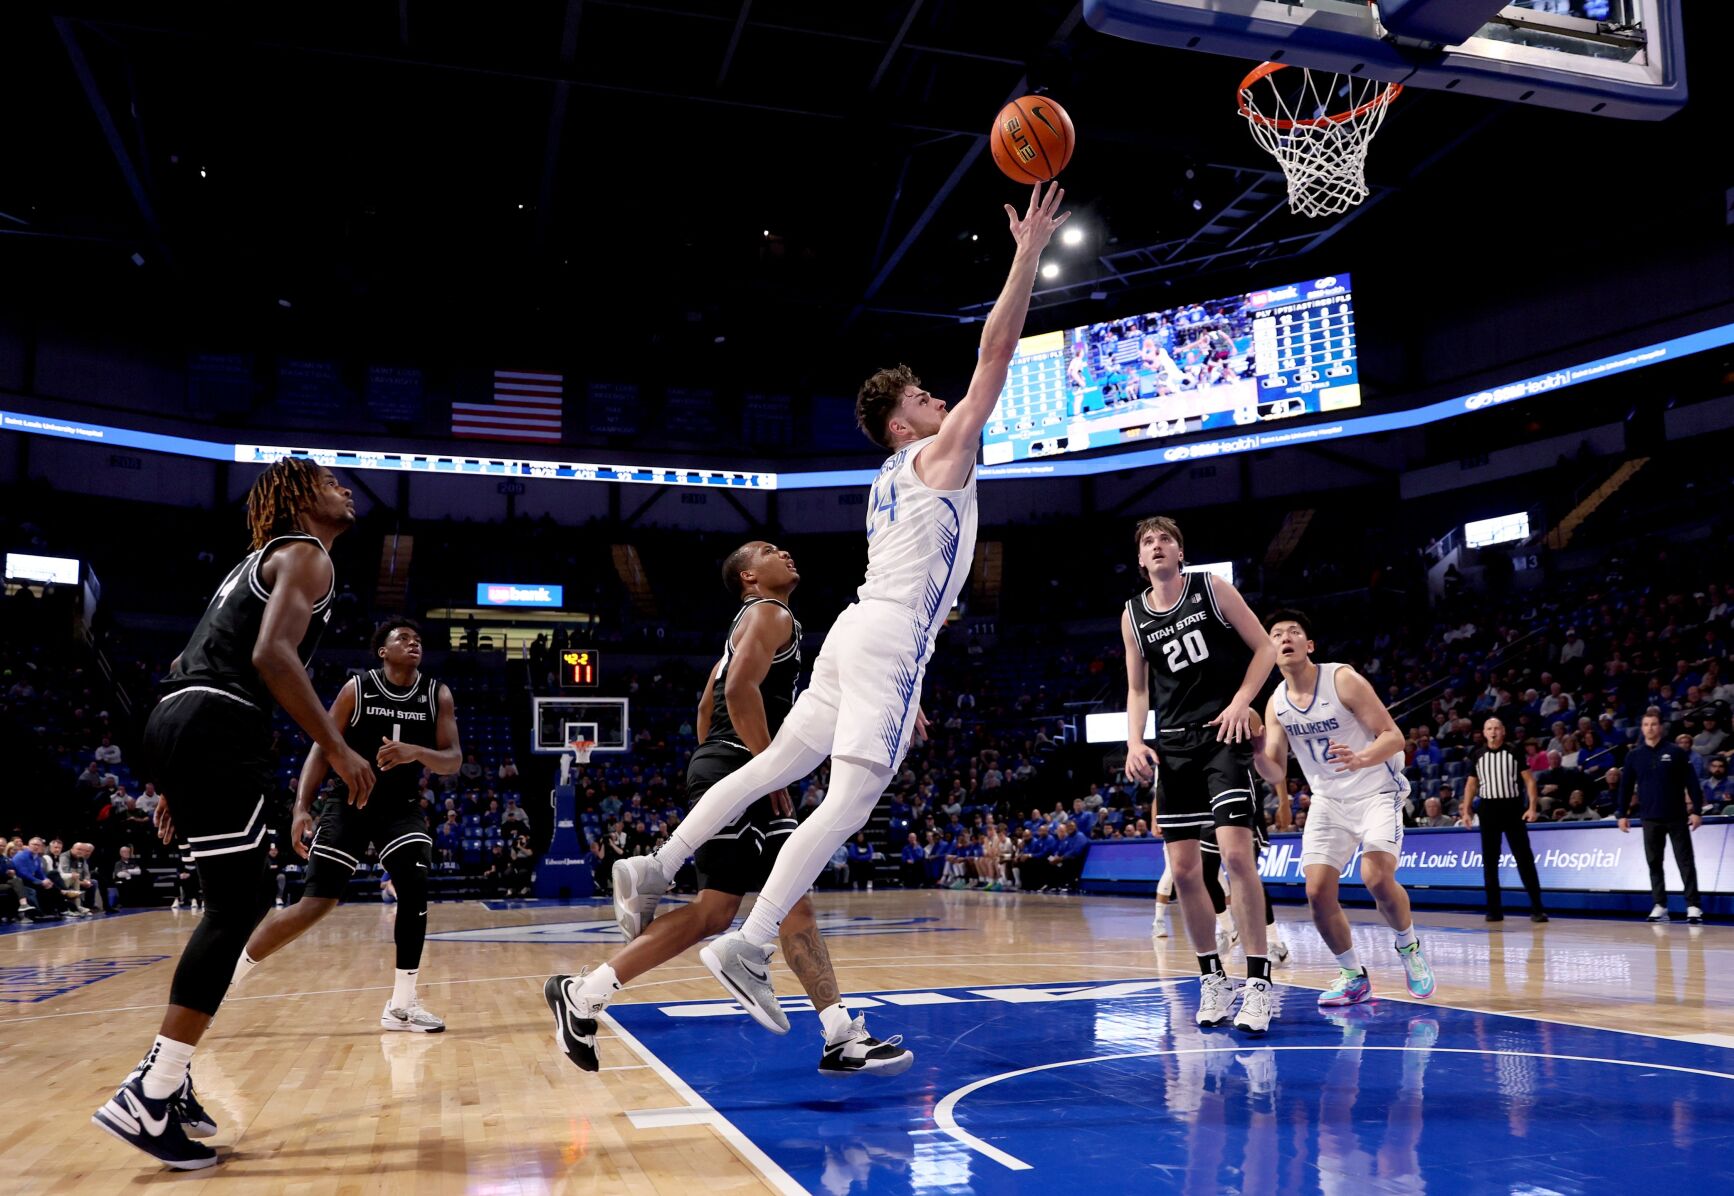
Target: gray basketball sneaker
[745, 970]
[412, 1018]
[638, 886]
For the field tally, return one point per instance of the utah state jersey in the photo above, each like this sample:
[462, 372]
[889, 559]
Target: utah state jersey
[1196, 658]
[777, 689]
[382, 712]
[220, 653]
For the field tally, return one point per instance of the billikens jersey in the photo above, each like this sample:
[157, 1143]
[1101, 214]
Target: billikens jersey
[384, 712]
[777, 689]
[1196, 658]
[1311, 731]
[220, 653]
[920, 541]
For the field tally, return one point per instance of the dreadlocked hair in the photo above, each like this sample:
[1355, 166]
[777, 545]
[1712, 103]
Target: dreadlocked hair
[279, 495]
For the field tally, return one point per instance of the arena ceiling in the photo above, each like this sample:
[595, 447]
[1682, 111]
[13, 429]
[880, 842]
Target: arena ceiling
[788, 177]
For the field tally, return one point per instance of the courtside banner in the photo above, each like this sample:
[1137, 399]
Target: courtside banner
[1583, 857]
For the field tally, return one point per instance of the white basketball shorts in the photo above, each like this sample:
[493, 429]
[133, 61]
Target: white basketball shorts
[1335, 828]
[866, 687]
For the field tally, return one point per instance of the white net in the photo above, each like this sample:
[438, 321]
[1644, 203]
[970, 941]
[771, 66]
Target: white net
[1318, 125]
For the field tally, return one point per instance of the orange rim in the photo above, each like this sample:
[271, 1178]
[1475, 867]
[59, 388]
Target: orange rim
[1266, 69]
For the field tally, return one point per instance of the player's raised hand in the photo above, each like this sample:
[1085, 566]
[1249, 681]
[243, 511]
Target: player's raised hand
[1036, 226]
[1345, 757]
[356, 773]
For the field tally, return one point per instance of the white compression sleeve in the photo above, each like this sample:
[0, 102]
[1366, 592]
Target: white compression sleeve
[787, 759]
[856, 786]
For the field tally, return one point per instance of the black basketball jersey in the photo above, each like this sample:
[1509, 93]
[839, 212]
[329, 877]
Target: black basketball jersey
[1196, 658]
[777, 689]
[220, 653]
[385, 712]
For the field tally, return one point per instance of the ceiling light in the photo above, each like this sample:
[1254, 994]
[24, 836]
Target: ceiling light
[282, 303]
[1072, 236]
[974, 237]
[1051, 270]
[201, 172]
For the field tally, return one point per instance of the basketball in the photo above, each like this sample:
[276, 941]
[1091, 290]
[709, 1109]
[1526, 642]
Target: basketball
[1032, 139]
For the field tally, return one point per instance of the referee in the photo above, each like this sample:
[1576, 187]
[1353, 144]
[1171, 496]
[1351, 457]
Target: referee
[1668, 796]
[1496, 788]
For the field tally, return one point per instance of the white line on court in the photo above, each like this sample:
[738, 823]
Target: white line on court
[945, 1119]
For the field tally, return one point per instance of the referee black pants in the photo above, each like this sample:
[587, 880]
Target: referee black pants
[1657, 833]
[1506, 818]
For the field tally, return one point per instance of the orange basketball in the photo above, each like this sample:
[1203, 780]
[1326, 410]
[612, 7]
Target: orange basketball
[1032, 139]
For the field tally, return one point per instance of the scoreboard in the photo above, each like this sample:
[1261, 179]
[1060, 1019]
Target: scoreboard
[580, 668]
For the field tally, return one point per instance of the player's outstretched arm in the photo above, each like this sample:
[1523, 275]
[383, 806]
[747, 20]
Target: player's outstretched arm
[299, 575]
[313, 770]
[1235, 723]
[1357, 694]
[764, 630]
[945, 464]
[1140, 759]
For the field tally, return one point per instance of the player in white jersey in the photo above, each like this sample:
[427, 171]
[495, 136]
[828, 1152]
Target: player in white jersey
[1348, 746]
[862, 706]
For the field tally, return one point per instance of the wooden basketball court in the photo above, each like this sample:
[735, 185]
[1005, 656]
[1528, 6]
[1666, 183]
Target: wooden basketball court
[311, 1096]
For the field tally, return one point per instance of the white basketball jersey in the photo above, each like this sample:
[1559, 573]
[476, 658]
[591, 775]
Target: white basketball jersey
[920, 541]
[1312, 730]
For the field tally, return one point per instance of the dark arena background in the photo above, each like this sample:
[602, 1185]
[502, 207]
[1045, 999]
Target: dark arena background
[575, 298]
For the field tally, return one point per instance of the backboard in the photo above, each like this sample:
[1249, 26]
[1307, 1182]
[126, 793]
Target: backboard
[1623, 58]
[558, 721]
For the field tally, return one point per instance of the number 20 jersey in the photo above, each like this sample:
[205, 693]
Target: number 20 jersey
[1196, 659]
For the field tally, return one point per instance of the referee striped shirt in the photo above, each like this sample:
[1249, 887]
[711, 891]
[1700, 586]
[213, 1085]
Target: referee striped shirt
[1499, 773]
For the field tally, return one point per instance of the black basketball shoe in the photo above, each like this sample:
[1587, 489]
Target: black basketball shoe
[574, 1020]
[154, 1126]
[859, 1051]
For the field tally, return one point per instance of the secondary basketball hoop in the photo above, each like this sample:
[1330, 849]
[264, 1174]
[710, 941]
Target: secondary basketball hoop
[1318, 125]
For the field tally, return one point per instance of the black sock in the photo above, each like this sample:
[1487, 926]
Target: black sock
[1258, 967]
[1210, 965]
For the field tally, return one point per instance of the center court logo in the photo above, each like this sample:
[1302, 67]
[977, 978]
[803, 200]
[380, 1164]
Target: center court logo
[605, 931]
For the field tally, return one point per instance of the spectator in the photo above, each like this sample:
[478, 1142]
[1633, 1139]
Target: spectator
[471, 771]
[1577, 809]
[109, 752]
[1435, 814]
[1426, 751]
[44, 891]
[1718, 785]
[839, 865]
[597, 858]
[90, 780]
[188, 894]
[147, 801]
[515, 816]
[127, 883]
[81, 888]
[508, 770]
[1693, 760]
[1068, 858]
[523, 858]
[449, 838]
[1712, 738]
[279, 877]
[497, 873]
[914, 863]
[860, 862]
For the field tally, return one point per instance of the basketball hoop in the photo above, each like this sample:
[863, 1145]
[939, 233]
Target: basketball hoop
[581, 749]
[1323, 152]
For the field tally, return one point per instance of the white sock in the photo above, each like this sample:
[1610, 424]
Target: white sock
[1407, 937]
[1225, 920]
[1349, 961]
[403, 987]
[166, 1067]
[835, 1021]
[602, 982]
[243, 965]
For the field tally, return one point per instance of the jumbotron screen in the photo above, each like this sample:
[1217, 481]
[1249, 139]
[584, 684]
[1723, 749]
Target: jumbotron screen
[1225, 363]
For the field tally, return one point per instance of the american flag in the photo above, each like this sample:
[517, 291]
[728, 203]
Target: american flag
[525, 406]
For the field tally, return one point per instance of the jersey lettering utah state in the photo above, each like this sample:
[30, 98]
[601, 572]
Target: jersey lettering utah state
[382, 712]
[1196, 659]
